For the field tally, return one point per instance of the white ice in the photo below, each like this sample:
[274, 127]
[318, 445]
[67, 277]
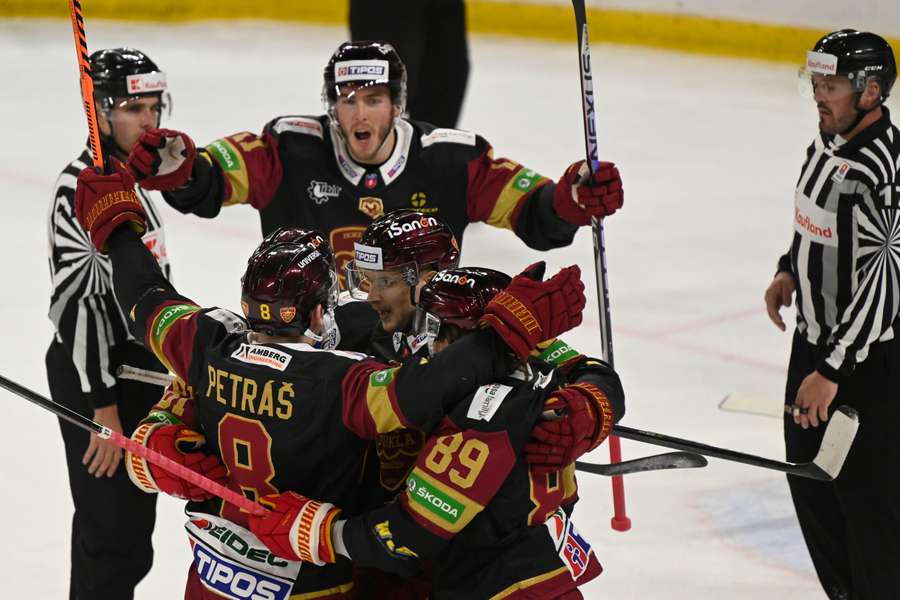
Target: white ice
[709, 150]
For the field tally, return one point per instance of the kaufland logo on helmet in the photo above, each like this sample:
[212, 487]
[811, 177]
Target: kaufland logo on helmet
[820, 62]
[356, 70]
[144, 83]
[457, 279]
[400, 228]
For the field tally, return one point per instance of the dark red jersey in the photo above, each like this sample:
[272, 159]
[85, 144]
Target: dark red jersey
[472, 507]
[298, 172]
[287, 416]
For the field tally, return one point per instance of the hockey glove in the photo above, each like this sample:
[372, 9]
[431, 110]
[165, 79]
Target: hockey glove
[162, 159]
[181, 445]
[104, 202]
[529, 310]
[297, 528]
[585, 420]
[580, 195]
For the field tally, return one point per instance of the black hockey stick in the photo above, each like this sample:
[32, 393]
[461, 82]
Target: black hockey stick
[657, 462]
[130, 445]
[826, 466]
[620, 521]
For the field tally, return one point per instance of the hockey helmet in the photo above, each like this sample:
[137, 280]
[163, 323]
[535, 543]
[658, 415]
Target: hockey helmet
[403, 240]
[364, 63]
[456, 297]
[122, 74]
[288, 275]
[858, 55]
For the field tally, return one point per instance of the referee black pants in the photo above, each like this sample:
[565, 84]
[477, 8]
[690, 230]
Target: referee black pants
[113, 521]
[430, 36]
[852, 525]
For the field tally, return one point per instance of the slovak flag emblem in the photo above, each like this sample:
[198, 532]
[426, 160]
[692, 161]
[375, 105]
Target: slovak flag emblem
[371, 180]
[576, 551]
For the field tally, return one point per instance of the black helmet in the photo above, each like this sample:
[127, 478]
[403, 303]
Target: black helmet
[857, 54]
[124, 72]
[365, 63]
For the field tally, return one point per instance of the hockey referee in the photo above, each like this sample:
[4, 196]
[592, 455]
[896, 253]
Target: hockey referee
[111, 547]
[844, 265]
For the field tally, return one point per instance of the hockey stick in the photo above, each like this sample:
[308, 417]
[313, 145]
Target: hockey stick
[825, 466]
[657, 462]
[144, 375]
[620, 521]
[128, 444]
[752, 404]
[87, 82]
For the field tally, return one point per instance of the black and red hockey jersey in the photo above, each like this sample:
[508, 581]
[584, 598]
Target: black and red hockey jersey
[299, 173]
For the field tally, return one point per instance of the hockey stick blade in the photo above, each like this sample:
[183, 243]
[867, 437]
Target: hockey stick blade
[839, 436]
[826, 466]
[144, 375]
[657, 462]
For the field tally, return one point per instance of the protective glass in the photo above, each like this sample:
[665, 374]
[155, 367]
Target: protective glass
[138, 110]
[814, 85]
[361, 281]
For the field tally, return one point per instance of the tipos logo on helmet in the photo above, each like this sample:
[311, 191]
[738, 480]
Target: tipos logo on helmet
[367, 257]
[360, 70]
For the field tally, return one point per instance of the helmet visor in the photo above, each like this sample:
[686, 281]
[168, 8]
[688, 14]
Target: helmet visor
[140, 111]
[362, 281]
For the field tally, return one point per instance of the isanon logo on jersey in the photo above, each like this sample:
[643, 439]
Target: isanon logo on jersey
[400, 228]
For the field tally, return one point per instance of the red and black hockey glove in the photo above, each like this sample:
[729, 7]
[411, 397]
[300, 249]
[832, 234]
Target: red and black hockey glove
[580, 195]
[181, 445]
[585, 420]
[530, 311]
[104, 202]
[297, 528]
[162, 159]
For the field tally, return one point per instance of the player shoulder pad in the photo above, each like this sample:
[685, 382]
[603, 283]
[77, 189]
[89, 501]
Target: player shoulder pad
[443, 135]
[297, 124]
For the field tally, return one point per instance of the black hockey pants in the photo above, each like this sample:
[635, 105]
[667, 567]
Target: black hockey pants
[852, 525]
[113, 521]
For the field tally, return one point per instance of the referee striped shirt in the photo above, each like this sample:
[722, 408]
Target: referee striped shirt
[845, 254]
[87, 318]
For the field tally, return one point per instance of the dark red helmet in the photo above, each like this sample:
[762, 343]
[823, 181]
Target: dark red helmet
[457, 297]
[407, 241]
[288, 275]
[365, 63]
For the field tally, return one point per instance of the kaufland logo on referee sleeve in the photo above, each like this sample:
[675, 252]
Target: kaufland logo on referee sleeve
[356, 70]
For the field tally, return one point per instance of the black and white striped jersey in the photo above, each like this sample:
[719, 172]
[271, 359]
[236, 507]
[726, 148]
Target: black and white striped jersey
[845, 254]
[83, 308]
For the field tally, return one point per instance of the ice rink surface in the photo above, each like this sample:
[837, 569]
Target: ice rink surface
[709, 150]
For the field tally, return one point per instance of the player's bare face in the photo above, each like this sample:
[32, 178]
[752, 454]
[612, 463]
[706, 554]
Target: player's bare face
[129, 118]
[366, 118]
[388, 294]
[835, 102]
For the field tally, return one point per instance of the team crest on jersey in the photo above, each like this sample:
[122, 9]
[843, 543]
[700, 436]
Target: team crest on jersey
[371, 180]
[321, 192]
[371, 207]
[287, 313]
[262, 355]
[572, 548]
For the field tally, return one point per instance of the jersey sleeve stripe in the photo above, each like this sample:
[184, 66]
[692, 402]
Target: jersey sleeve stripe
[510, 197]
[436, 506]
[234, 168]
[162, 323]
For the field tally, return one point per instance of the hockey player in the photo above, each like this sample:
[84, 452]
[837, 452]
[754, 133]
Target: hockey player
[112, 524]
[338, 171]
[279, 413]
[471, 503]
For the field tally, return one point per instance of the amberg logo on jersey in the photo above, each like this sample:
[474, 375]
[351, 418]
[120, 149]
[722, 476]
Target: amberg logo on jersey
[400, 228]
[457, 279]
[433, 500]
[321, 192]
[262, 355]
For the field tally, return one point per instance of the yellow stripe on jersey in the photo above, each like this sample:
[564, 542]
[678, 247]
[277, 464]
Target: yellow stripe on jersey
[519, 184]
[570, 485]
[233, 167]
[438, 503]
[162, 324]
[527, 583]
[378, 400]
